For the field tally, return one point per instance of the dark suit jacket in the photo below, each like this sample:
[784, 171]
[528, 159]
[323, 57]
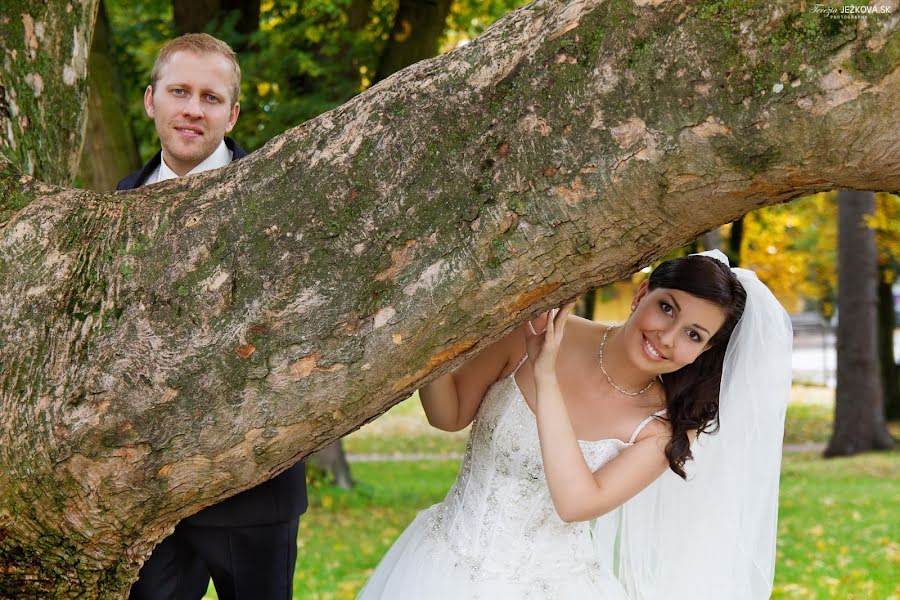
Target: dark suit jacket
[278, 499]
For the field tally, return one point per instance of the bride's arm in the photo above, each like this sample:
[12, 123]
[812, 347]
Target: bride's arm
[452, 400]
[577, 493]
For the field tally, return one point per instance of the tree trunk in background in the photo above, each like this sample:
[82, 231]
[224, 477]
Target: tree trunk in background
[890, 370]
[734, 242]
[165, 348]
[418, 27]
[712, 240]
[859, 423]
[584, 308]
[193, 16]
[358, 14]
[333, 460]
[43, 86]
[109, 149]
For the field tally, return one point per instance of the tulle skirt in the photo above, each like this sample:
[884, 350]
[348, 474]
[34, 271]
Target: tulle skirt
[421, 566]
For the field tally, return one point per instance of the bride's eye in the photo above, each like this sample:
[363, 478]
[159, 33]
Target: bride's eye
[663, 306]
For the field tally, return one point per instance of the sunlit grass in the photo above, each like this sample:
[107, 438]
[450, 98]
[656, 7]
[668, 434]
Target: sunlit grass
[839, 527]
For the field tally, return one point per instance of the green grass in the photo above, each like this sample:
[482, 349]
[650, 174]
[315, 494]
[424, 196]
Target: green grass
[404, 429]
[839, 529]
[810, 415]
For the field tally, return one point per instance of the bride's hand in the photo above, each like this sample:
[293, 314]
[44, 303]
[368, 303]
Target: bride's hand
[543, 347]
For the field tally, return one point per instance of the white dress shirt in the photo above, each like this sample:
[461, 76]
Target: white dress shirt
[220, 157]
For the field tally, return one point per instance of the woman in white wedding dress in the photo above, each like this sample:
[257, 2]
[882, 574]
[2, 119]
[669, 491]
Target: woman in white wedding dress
[566, 428]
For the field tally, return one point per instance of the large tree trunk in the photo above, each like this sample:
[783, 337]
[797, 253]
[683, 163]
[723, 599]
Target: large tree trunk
[165, 348]
[109, 149]
[859, 413]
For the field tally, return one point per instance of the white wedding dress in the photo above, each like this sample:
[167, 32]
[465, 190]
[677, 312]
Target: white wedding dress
[496, 536]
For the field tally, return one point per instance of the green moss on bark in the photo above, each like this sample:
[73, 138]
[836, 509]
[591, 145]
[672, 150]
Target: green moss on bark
[873, 66]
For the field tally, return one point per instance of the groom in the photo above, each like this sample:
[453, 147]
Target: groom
[247, 543]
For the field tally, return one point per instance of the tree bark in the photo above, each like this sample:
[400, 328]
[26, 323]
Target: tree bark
[859, 423]
[43, 85]
[109, 150]
[418, 26]
[168, 347]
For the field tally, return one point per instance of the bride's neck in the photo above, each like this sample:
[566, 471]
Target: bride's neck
[620, 368]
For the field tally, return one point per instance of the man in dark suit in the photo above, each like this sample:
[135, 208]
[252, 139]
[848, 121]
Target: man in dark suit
[247, 543]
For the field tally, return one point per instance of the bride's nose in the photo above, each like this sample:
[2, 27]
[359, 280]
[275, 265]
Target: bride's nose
[667, 338]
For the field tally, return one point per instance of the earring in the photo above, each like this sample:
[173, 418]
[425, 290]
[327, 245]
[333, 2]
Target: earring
[633, 306]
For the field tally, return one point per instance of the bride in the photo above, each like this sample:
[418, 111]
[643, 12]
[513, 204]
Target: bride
[572, 421]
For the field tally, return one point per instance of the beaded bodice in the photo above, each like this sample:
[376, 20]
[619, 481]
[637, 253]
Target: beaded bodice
[499, 515]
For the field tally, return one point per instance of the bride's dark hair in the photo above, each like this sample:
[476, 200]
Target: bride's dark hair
[692, 392]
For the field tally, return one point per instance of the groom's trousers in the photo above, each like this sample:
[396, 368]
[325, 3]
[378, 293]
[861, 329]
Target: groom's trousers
[254, 562]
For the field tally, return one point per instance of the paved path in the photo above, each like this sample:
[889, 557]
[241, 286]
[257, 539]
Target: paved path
[416, 456]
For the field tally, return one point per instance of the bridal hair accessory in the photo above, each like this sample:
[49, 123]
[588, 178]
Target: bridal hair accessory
[609, 379]
[713, 535]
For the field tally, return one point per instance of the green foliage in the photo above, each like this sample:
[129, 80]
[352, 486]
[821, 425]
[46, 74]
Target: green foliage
[304, 60]
[139, 28]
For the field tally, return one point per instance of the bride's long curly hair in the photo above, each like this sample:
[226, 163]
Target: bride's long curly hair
[692, 392]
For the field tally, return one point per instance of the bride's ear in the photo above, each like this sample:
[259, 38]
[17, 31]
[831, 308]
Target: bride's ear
[641, 292]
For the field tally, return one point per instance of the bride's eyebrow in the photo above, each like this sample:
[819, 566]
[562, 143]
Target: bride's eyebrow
[678, 307]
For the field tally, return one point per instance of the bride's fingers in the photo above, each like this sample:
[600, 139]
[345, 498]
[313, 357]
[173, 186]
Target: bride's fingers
[562, 315]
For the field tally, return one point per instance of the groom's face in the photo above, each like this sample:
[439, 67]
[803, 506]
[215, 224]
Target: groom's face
[191, 106]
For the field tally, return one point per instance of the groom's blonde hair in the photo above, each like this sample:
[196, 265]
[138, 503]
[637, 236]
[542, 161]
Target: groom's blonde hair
[199, 43]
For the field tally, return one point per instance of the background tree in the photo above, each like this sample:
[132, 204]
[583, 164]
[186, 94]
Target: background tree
[110, 151]
[886, 223]
[859, 413]
[418, 27]
[168, 347]
[240, 16]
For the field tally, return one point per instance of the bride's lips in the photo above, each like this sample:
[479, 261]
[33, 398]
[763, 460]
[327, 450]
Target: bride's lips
[644, 343]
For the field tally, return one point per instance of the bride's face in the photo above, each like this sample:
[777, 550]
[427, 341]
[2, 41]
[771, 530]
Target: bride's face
[669, 328]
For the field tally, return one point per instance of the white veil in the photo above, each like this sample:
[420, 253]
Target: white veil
[713, 536]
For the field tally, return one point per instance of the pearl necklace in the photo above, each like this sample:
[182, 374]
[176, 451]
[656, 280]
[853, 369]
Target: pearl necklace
[609, 379]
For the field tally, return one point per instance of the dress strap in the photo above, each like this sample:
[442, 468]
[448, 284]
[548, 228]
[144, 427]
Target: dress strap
[521, 362]
[644, 423]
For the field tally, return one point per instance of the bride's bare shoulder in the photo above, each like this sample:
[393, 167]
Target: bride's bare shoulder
[582, 325]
